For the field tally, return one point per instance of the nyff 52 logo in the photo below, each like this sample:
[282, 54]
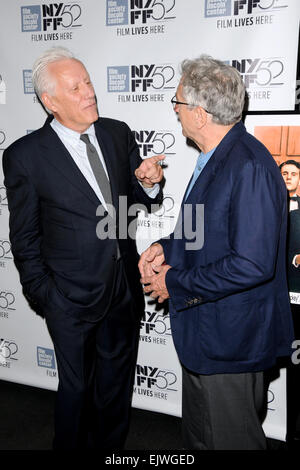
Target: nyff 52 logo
[7, 300]
[140, 78]
[3, 197]
[257, 6]
[124, 12]
[5, 250]
[215, 8]
[8, 350]
[155, 142]
[154, 322]
[52, 16]
[155, 378]
[260, 72]
[157, 10]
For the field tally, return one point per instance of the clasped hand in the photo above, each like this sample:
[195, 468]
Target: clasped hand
[153, 271]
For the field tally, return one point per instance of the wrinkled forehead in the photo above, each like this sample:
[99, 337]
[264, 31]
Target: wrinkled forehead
[66, 66]
[65, 73]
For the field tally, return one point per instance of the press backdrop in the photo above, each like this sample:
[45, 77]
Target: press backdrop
[132, 49]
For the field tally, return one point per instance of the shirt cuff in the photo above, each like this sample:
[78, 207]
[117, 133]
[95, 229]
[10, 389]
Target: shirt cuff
[151, 192]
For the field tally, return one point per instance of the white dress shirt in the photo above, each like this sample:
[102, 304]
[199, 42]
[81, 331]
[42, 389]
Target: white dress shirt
[77, 150]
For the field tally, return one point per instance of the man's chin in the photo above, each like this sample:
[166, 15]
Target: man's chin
[93, 116]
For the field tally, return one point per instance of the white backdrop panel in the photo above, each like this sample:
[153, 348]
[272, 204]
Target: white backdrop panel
[132, 49]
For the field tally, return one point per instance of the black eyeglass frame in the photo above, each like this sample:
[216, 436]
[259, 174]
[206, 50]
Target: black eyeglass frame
[174, 102]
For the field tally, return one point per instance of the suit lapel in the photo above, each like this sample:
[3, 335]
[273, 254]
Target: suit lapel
[218, 158]
[58, 156]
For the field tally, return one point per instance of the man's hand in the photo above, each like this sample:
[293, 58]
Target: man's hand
[156, 284]
[153, 272]
[151, 259]
[150, 171]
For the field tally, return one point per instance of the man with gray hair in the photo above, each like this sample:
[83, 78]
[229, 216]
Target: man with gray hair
[61, 180]
[228, 300]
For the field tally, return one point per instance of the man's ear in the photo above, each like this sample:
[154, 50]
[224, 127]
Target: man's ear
[48, 101]
[201, 116]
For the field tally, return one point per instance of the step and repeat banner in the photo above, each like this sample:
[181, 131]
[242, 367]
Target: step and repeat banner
[133, 50]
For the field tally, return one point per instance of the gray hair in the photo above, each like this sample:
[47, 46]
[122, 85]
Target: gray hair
[41, 79]
[214, 85]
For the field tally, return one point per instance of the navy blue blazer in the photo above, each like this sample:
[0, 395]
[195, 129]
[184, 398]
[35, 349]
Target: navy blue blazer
[229, 302]
[62, 263]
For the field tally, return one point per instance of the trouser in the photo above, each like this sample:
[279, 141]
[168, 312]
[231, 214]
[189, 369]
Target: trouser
[96, 364]
[221, 411]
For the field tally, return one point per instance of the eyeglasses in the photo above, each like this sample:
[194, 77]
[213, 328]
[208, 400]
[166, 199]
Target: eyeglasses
[174, 102]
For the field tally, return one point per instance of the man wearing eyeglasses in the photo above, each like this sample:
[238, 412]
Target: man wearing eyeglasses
[228, 300]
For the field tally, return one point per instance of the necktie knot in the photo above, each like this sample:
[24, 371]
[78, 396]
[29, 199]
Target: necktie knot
[85, 139]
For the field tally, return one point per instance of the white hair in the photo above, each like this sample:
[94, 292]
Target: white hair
[41, 78]
[214, 85]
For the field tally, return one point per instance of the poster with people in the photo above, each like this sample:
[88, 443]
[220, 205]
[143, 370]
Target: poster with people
[280, 134]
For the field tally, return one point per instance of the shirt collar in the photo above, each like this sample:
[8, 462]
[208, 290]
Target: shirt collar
[203, 158]
[70, 133]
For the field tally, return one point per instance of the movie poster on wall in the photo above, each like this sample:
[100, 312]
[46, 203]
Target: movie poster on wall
[281, 135]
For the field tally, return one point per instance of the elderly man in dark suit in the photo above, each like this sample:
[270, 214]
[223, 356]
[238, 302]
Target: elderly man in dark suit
[64, 184]
[227, 291]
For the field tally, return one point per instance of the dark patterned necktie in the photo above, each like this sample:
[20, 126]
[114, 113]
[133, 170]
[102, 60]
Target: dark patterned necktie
[101, 179]
[98, 169]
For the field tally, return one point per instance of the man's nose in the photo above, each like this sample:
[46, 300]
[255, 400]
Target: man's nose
[88, 91]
